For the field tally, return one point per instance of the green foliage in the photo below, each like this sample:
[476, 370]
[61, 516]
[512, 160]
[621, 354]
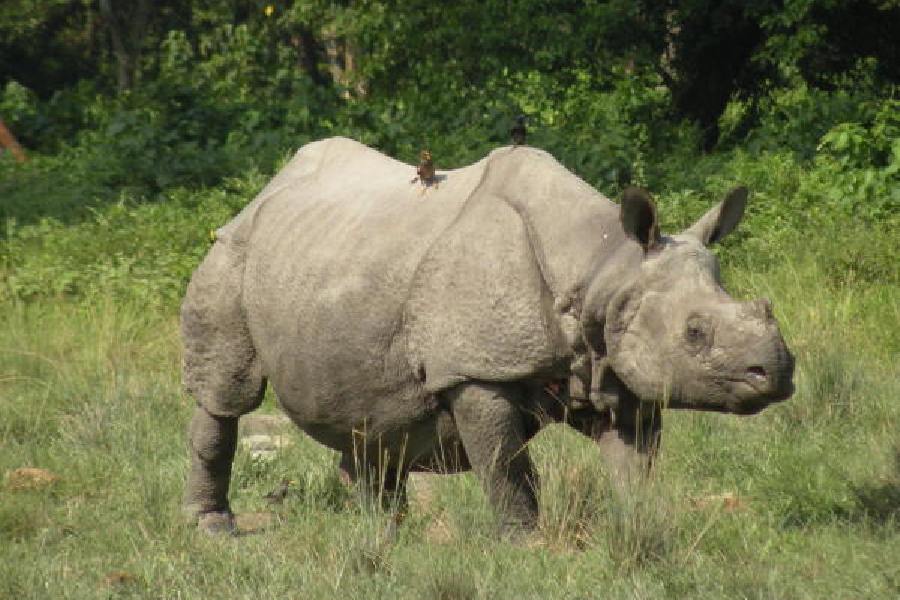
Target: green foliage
[124, 250]
[820, 39]
[17, 104]
[599, 128]
[46, 125]
[47, 45]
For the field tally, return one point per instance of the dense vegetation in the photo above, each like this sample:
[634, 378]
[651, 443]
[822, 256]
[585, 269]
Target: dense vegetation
[147, 124]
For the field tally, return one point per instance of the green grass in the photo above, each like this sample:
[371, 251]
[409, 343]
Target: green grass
[89, 390]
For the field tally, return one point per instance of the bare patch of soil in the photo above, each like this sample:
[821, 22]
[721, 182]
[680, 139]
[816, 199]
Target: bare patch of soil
[254, 522]
[29, 478]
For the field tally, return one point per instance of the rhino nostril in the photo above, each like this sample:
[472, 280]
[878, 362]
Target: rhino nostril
[757, 374]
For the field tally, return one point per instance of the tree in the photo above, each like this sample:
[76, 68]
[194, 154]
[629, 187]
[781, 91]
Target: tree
[710, 46]
[127, 22]
[47, 46]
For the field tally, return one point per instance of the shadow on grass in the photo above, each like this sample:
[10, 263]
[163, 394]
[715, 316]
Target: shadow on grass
[880, 501]
[875, 502]
[450, 585]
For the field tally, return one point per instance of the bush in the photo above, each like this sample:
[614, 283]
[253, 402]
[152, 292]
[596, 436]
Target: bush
[125, 250]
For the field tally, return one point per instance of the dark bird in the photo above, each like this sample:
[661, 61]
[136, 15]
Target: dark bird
[518, 131]
[278, 495]
[425, 170]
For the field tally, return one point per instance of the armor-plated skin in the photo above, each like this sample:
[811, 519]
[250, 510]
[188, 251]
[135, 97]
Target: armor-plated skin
[447, 332]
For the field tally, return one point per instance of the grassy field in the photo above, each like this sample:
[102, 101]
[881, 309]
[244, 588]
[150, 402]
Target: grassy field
[802, 501]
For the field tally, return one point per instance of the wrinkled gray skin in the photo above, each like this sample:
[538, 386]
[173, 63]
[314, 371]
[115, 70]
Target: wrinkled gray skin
[412, 330]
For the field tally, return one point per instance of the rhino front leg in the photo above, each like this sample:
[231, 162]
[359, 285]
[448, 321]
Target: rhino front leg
[629, 446]
[493, 435]
[213, 440]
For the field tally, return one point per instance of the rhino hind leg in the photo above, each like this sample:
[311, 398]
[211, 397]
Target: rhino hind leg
[223, 374]
[213, 440]
[494, 437]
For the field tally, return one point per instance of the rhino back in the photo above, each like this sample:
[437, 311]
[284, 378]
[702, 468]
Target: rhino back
[330, 253]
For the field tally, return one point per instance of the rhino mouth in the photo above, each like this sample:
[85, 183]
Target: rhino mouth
[756, 389]
[754, 383]
[757, 377]
[752, 407]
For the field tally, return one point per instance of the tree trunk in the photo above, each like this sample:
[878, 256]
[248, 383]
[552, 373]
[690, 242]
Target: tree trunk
[308, 53]
[127, 23]
[708, 57]
[341, 55]
[351, 52]
[334, 54]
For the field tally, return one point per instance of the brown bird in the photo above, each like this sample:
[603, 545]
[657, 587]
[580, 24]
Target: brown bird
[425, 170]
[518, 131]
[278, 495]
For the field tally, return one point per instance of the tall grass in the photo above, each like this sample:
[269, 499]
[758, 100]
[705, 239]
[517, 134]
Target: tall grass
[798, 502]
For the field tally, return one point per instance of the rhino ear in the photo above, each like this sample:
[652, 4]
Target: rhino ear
[638, 217]
[721, 219]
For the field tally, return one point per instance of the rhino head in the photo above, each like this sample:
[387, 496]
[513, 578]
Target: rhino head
[669, 334]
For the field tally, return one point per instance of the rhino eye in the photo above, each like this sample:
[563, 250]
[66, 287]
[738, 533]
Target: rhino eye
[696, 332]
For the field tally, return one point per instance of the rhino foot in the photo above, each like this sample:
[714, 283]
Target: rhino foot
[217, 522]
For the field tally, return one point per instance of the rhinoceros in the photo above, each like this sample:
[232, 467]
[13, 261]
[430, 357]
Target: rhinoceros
[415, 328]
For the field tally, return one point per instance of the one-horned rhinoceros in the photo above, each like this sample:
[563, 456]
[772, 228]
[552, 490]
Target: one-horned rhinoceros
[408, 328]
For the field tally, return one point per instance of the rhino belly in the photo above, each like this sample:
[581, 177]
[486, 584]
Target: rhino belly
[335, 374]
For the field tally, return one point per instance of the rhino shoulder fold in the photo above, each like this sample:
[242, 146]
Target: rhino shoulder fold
[479, 308]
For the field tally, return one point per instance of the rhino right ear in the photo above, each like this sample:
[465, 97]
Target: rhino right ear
[638, 216]
[721, 219]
